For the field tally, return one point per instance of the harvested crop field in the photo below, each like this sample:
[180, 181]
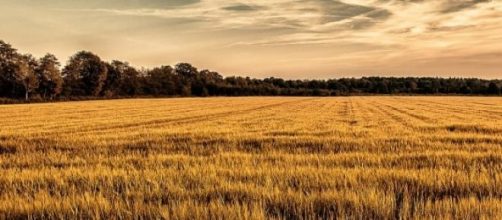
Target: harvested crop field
[253, 158]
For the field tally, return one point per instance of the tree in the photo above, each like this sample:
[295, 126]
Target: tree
[210, 81]
[382, 87]
[17, 72]
[122, 79]
[162, 81]
[8, 58]
[49, 75]
[25, 74]
[186, 71]
[188, 75]
[84, 75]
[493, 88]
[411, 85]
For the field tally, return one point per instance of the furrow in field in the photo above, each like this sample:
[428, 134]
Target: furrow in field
[188, 119]
[253, 158]
[462, 109]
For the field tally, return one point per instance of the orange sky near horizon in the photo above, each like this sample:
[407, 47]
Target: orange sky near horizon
[293, 39]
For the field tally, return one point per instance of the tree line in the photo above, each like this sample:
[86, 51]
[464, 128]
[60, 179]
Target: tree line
[86, 75]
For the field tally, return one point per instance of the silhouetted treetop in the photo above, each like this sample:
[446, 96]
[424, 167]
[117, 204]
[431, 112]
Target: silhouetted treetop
[86, 75]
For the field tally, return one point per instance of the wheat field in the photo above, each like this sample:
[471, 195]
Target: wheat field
[253, 158]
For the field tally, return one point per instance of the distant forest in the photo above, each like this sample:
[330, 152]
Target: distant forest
[86, 76]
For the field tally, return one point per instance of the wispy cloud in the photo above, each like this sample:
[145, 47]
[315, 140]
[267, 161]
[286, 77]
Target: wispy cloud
[328, 34]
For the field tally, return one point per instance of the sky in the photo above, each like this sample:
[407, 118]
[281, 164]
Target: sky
[293, 39]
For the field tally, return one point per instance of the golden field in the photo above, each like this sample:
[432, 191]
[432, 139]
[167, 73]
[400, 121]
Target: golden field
[253, 158]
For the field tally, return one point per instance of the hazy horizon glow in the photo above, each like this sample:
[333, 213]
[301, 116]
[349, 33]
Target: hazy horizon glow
[261, 38]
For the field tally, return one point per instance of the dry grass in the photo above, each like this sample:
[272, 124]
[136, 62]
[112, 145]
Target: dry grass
[253, 158]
